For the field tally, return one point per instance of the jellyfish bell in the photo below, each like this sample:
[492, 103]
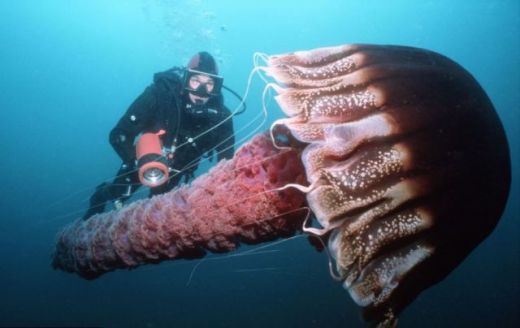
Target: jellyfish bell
[407, 160]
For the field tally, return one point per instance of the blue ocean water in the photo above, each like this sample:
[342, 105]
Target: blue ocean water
[69, 70]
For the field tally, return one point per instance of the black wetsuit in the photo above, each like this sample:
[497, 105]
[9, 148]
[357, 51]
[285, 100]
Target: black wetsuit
[164, 106]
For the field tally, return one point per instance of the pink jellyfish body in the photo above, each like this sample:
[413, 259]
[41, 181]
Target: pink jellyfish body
[397, 151]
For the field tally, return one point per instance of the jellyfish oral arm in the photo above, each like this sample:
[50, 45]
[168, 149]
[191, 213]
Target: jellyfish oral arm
[237, 201]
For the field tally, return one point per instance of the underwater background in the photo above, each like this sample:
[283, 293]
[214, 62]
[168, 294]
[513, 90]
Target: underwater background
[70, 69]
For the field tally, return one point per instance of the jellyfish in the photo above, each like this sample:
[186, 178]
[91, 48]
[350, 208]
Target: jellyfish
[407, 161]
[393, 156]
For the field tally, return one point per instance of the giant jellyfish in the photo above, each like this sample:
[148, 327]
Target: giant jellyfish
[394, 156]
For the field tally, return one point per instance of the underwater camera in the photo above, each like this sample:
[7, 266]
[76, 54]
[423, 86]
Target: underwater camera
[152, 164]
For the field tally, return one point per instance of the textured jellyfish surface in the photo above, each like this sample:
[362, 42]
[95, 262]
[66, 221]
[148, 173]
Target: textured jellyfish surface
[235, 202]
[397, 151]
[407, 162]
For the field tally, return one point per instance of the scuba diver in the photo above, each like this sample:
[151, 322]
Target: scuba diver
[165, 122]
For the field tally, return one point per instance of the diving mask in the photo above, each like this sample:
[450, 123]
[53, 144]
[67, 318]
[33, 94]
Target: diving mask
[202, 84]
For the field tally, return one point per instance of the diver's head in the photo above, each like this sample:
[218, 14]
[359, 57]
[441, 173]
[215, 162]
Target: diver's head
[201, 79]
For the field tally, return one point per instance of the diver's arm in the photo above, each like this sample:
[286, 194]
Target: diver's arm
[226, 146]
[136, 119]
